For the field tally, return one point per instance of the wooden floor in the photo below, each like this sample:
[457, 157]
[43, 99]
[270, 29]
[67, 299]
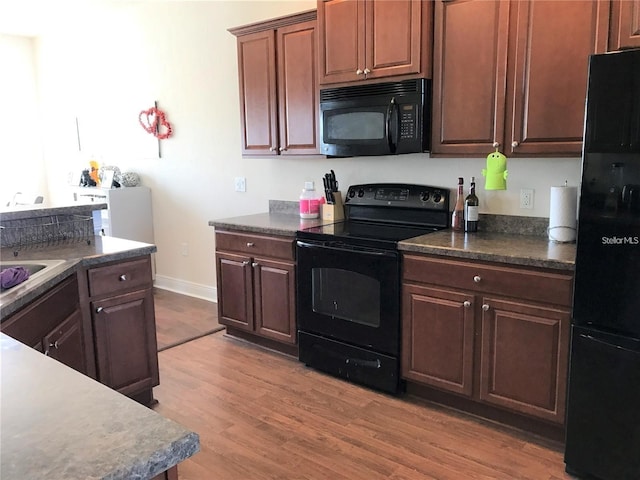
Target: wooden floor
[180, 318]
[263, 415]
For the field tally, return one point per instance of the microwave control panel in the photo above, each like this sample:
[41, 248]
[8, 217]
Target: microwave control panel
[407, 120]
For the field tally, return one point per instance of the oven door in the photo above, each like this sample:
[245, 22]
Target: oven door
[349, 293]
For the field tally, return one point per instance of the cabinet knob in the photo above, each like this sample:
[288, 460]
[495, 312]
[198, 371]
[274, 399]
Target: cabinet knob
[282, 149]
[359, 72]
[367, 71]
[272, 149]
[250, 244]
[485, 307]
[477, 279]
[255, 264]
[514, 144]
[246, 262]
[53, 345]
[123, 278]
[496, 144]
[467, 304]
[99, 309]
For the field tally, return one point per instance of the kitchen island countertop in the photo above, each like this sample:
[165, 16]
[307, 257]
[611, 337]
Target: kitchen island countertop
[60, 424]
[513, 249]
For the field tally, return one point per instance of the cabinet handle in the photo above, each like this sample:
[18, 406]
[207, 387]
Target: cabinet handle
[467, 303]
[250, 244]
[54, 345]
[272, 149]
[485, 307]
[99, 309]
[283, 149]
[255, 264]
[477, 279]
[514, 144]
[246, 262]
[367, 71]
[496, 144]
[123, 278]
[359, 72]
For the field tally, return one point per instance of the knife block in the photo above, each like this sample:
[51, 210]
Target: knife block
[335, 211]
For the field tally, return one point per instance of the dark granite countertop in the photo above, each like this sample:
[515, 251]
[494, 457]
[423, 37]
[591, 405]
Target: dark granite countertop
[268, 223]
[509, 248]
[526, 250]
[60, 424]
[73, 255]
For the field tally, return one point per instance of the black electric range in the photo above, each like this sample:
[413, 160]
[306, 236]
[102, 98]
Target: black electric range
[348, 277]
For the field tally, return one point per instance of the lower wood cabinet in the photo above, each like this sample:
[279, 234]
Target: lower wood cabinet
[124, 329]
[256, 284]
[495, 334]
[53, 325]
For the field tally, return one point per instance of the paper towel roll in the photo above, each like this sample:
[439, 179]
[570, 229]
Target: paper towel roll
[562, 214]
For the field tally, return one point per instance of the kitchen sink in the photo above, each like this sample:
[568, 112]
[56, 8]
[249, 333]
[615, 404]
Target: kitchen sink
[36, 268]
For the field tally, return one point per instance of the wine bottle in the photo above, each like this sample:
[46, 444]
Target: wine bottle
[457, 217]
[471, 209]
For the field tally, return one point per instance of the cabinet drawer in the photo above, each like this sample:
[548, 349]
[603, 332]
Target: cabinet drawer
[278, 247]
[532, 284]
[120, 277]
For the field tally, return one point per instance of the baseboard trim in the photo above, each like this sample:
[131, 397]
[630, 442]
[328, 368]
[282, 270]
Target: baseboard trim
[196, 290]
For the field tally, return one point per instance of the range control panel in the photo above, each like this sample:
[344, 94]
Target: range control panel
[398, 195]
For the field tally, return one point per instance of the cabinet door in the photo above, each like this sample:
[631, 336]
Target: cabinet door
[625, 24]
[125, 341]
[393, 38]
[524, 357]
[235, 291]
[258, 102]
[342, 37]
[298, 100]
[469, 74]
[548, 66]
[274, 291]
[437, 338]
[65, 343]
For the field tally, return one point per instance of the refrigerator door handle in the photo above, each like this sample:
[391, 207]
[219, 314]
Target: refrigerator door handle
[608, 344]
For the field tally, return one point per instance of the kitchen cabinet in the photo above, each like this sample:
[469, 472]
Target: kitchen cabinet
[519, 83]
[256, 284]
[625, 24]
[123, 320]
[367, 40]
[496, 334]
[277, 68]
[53, 325]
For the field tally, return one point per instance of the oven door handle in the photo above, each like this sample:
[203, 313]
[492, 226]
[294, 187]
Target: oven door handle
[342, 247]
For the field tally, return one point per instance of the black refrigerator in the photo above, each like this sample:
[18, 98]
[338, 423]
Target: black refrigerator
[603, 409]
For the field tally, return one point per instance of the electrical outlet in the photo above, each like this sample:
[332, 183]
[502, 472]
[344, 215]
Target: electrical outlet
[526, 198]
[241, 184]
[184, 249]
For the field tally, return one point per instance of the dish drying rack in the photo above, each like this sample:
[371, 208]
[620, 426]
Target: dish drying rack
[45, 231]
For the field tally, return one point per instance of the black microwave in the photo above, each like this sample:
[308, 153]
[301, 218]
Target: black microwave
[375, 119]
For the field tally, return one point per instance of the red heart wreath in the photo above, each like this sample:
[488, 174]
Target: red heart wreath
[152, 120]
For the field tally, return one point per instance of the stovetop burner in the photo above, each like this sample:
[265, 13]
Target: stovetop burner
[381, 215]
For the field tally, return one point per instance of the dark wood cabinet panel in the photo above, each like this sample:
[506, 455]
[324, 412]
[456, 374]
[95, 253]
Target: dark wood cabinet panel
[549, 56]
[66, 343]
[256, 284]
[524, 357]
[625, 24]
[125, 341]
[469, 74]
[235, 290]
[438, 338]
[258, 101]
[275, 288]
[366, 40]
[277, 71]
[519, 83]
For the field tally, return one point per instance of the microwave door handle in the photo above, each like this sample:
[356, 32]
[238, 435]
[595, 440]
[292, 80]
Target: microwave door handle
[390, 109]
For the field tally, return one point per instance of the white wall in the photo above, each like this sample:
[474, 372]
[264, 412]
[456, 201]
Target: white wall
[180, 54]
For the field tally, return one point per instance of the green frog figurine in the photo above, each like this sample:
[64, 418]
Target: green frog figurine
[496, 172]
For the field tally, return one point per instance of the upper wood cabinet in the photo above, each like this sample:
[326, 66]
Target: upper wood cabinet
[277, 67]
[519, 82]
[367, 39]
[625, 24]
